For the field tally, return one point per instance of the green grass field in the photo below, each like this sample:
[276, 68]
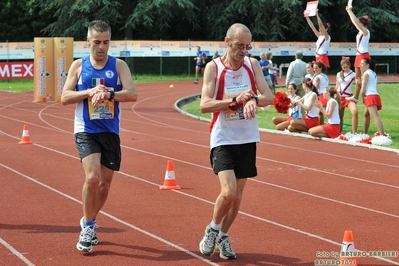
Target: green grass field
[389, 113]
[21, 85]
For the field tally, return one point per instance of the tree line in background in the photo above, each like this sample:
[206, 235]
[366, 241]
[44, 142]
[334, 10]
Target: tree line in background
[269, 20]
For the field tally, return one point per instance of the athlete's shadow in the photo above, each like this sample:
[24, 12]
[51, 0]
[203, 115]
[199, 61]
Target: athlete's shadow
[44, 228]
[261, 259]
[271, 260]
[153, 253]
[177, 255]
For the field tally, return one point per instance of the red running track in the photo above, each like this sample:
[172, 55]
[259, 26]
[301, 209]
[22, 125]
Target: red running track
[307, 193]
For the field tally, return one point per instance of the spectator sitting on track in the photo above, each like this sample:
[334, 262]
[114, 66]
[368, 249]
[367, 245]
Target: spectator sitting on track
[294, 112]
[332, 128]
[307, 103]
[321, 82]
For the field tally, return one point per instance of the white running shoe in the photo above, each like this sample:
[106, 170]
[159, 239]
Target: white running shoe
[85, 238]
[94, 240]
[208, 242]
[224, 246]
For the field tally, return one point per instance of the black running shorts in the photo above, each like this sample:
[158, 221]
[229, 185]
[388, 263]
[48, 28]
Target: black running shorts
[241, 158]
[108, 144]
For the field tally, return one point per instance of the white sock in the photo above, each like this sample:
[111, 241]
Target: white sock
[215, 226]
[222, 234]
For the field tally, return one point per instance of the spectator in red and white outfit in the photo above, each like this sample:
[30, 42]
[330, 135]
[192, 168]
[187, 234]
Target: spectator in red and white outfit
[363, 24]
[323, 39]
[307, 103]
[332, 128]
[294, 111]
[321, 82]
[345, 80]
[371, 98]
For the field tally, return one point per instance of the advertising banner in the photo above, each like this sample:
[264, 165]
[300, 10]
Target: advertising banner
[141, 48]
[43, 69]
[16, 70]
[62, 60]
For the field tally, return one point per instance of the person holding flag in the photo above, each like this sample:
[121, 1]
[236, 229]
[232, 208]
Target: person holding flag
[363, 24]
[323, 38]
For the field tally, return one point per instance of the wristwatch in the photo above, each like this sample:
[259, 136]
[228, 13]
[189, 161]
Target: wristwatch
[256, 99]
[112, 95]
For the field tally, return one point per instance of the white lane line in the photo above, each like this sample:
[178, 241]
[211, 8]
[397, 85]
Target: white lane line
[16, 252]
[188, 252]
[252, 180]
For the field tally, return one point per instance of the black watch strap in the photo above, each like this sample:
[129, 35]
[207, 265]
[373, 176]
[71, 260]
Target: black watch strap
[112, 95]
[256, 99]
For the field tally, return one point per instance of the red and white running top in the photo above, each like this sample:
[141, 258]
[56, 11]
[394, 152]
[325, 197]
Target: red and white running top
[229, 126]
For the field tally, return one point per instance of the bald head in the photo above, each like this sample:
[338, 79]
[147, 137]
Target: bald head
[237, 29]
[238, 41]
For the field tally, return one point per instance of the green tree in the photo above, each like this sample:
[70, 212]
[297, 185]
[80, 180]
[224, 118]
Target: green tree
[269, 20]
[282, 20]
[71, 17]
[140, 19]
[20, 21]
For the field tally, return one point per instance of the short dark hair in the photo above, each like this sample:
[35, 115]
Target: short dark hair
[99, 26]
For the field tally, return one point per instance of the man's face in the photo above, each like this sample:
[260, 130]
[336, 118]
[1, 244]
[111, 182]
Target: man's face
[239, 45]
[99, 44]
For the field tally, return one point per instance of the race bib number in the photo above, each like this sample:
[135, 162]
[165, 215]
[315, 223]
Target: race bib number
[103, 110]
[235, 112]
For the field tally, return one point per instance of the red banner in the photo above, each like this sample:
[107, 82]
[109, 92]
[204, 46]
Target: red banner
[16, 70]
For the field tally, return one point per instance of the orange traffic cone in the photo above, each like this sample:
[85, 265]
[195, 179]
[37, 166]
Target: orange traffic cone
[25, 136]
[170, 181]
[348, 251]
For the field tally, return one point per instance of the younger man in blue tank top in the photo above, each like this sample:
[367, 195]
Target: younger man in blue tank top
[97, 84]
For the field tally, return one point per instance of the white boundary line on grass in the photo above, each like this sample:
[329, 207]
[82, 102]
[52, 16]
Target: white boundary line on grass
[197, 96]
